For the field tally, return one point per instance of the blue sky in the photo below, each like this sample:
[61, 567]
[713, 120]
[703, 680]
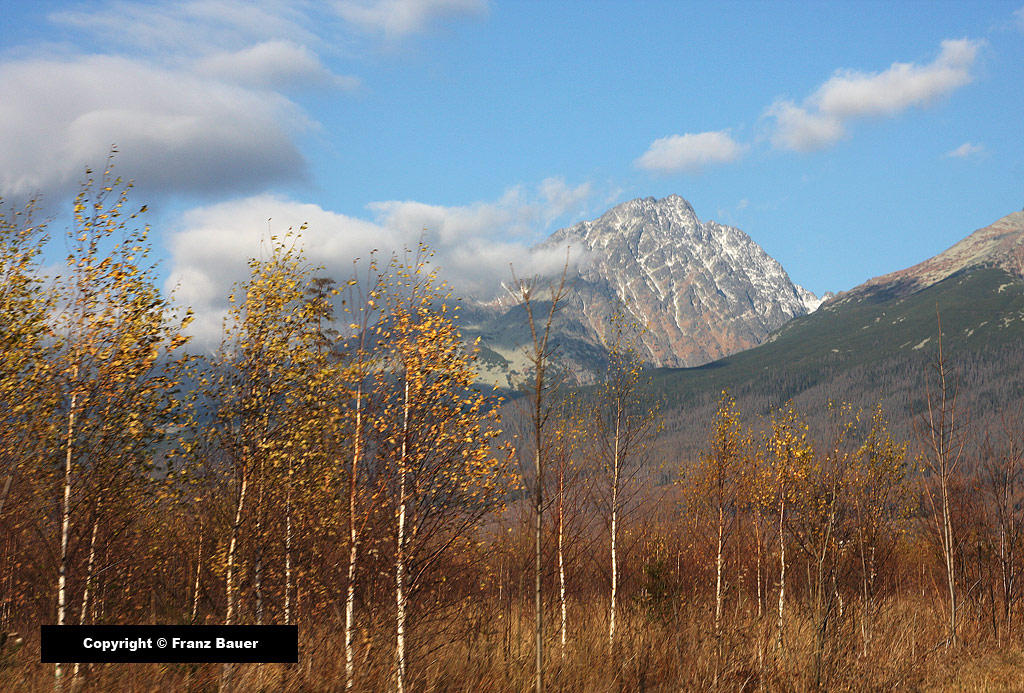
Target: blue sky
[848, 139]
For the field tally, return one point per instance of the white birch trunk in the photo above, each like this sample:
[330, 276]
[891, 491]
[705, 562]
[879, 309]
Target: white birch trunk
[88, 573]
[350, 595]
[615, 521]
[258, 579]
[757, 532]
[948, 551]
[561, 561]
[85, 595]
[65, 530]
[782, 564]
[288, 548]
[718, 575]
[400, 553]
[229, 579]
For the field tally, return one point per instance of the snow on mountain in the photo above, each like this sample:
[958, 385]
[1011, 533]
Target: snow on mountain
[700, 290]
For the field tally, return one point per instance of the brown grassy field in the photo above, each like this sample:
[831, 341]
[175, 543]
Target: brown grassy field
[481, 648]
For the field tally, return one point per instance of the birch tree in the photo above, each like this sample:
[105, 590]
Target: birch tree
[434, 431]
[879, 495]
[27, 395]
[539, 353]
[116, 401]
[352, 362]
[1002, 473]
[567, 443]
[624, 428]
[941, 431]
[713, 488]
[790, 452]
[257, 387]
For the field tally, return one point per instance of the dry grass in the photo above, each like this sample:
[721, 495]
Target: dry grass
[486, 649]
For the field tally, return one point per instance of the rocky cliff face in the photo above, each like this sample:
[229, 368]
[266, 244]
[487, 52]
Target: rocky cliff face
[703, 290]
[700, 290]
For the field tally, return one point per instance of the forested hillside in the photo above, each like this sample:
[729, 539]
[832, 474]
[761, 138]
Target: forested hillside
[867, 351]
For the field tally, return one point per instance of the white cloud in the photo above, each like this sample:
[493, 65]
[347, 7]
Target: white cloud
[209, 252]
[397, 18]
[965, 150]
[560, 198]
[800, 130]
[195, 27]
[690, 152]
[822, 118]
[175, 130]
[851, 94]
[192, 93]
[277, 65]
[473, 244]
[1019, 17]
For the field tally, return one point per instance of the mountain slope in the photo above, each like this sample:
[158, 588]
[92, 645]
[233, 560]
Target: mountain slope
[701, 290]
[1000, 244]
[875, 343]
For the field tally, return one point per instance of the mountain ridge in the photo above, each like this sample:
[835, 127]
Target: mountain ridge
[695, 291]
[1000, 244]
[876, 344]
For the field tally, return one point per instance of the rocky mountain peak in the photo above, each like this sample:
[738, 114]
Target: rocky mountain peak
[699, 290]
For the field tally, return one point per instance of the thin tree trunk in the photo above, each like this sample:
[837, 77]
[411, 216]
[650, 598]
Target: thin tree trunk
[948, 550]
[718, 594]
[65, 529]
[288, 548]
[229, 579]
[561, 559]
[350, 593]
[866, 597]
[538, 605]
[258, 534]
[199, 567]
[942, 440]
[757, 536]
[88, 573]
[85, 594]
[718, 575]
[782, 565]
[615, 520]
[400, 552]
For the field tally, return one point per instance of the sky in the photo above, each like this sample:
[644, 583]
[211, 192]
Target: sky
[848, 139]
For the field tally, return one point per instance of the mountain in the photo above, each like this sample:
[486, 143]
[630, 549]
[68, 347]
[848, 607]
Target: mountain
[999, 245]
[701, 290]
[876, 344]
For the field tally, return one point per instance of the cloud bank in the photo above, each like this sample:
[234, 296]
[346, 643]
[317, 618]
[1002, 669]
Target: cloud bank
[197, 95]
[174, 130]
[473, 244]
